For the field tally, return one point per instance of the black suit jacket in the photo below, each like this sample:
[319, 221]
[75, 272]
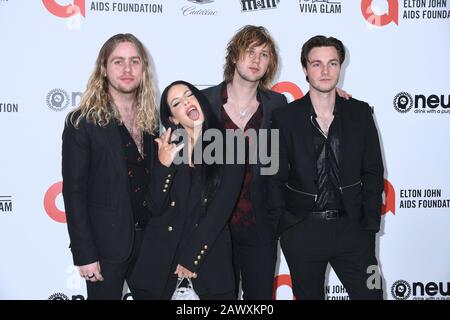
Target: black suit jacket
[294, 187]
[270, 101]
[96, 193]
[207, 246]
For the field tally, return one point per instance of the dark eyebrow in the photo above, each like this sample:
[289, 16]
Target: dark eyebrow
[312, 61]
[176, 98]
[184, 93]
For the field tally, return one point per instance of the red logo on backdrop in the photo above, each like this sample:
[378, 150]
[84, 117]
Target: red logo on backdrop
[289, 87]
[389, 198]
[78, 6]
[50, 203]
[380, 20]
[281, 280]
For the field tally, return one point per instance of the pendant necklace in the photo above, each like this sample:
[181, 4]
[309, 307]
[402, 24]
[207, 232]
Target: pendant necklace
[243, 113]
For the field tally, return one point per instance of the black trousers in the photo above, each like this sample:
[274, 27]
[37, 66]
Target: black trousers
[115, 275]
[311, 244]
[254, 265]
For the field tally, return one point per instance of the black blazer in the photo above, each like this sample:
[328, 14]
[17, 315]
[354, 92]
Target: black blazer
[96, 192]
[270, 101]
[207, 246]
[294, 188]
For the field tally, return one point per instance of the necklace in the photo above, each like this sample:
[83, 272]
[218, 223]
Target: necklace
[233, 105]
[243, 113]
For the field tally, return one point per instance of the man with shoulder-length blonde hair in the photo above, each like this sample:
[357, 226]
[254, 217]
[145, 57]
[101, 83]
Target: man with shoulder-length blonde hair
[107, 156]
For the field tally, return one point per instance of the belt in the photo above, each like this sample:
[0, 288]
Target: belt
[140, 225]
[328, 214]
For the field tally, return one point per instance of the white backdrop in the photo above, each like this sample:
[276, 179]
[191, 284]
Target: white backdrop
[397, 61]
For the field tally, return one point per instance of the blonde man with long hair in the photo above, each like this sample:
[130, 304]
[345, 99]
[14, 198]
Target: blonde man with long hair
[107, 158]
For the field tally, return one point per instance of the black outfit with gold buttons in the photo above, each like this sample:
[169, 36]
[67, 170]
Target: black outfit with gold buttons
[187, 229]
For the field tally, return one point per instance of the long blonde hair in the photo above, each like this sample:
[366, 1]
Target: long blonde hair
[96, 105]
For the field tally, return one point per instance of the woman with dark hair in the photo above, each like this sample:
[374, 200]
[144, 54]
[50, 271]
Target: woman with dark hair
[191, 204]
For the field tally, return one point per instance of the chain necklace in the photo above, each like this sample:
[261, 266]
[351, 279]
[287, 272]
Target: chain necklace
[233, 104]
[243, 113]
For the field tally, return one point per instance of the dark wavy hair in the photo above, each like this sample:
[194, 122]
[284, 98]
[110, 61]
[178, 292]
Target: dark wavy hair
[322, 41]
[211, 120]
[211, 173]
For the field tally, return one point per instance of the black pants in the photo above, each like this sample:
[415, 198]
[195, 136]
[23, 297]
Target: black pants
[310, 245]
[115, 275]
[254, 264]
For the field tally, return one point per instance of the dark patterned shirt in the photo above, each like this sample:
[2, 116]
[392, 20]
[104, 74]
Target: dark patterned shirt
[138, 173]
[243, 214]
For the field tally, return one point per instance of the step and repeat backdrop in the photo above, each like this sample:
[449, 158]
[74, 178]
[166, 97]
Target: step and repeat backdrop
[398, 61]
